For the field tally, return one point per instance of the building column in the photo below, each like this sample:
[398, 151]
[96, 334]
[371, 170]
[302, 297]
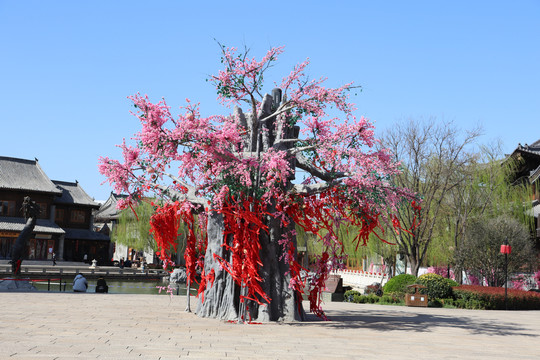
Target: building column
[61, 247]
[53, 213]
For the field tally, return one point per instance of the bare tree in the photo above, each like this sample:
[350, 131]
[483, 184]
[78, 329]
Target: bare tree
[433, 156]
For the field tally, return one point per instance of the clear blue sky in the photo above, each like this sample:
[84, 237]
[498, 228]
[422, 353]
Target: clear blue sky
[66, 67]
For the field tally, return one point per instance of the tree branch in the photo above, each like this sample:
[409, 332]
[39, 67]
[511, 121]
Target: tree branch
[303, 164]
[190, 196]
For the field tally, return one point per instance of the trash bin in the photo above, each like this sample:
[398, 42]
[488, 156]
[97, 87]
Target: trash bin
[416, 299]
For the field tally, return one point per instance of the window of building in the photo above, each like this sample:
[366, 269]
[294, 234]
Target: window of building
[78, 216]
[43, 210]
[7, 208]
[59, 215]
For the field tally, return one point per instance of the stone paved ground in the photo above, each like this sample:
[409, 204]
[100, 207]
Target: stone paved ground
[117, 326]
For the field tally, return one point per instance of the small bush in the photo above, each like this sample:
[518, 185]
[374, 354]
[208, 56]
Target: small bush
[448, 302]
[354, 296]
[399, 283]
[398, 297]
[451, 282]
[437, 287]
[392, 298]
[349, 295]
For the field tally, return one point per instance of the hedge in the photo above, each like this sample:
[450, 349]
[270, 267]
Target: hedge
[492, 298]
[354, 296]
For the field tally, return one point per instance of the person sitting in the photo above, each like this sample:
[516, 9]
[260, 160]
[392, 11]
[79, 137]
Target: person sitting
[101, 286]
[79, 283]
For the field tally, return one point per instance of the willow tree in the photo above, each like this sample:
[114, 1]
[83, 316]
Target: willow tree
[133, 228]
[238, 172]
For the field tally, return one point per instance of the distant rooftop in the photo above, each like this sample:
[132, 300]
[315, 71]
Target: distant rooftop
[108, 210]
[73, 193]
[24, 175]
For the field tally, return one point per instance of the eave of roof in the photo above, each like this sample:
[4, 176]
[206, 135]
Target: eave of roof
[17, 224]
[85, 234]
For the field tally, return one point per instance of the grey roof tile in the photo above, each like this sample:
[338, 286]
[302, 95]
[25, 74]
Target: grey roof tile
[108, 210]
[21, 174]
[73, 193]
[17, 224]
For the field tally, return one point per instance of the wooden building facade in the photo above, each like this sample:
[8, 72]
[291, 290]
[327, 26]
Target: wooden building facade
[65, 223]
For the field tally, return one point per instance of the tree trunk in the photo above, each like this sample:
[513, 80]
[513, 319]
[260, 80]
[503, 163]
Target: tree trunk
[222, 298]
[285, 305]
[415, 265]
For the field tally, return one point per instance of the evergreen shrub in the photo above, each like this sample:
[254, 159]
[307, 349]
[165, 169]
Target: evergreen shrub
[437, 287]
[399, 283]
[356, 297]
[350, 295]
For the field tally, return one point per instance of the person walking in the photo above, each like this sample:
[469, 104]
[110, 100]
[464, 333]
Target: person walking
[79, 283]
[54, 259]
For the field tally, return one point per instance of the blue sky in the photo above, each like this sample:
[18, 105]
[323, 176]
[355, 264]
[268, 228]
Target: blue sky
[67, 67]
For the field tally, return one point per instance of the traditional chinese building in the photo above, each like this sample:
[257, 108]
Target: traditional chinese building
[65, 223]
[74, 214]
[528, 172]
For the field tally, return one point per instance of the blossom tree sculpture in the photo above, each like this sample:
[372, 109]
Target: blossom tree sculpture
[239, 171]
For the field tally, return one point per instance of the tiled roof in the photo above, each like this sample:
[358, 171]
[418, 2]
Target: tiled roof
[85, 234]
[534, 148]
[21, 174]
[108, 210]
[73, 193]
[17, 224]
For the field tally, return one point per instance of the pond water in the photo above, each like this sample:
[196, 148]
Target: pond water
[120, 287]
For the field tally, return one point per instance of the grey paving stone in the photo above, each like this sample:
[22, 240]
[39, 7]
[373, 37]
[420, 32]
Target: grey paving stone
[122, 326]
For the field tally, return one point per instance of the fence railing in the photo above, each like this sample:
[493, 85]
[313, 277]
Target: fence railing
[360, 279]
[61, 285]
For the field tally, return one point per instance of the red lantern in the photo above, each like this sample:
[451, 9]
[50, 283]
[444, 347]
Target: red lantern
[506, 249]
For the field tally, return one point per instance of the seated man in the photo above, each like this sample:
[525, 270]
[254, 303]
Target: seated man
[79, 283]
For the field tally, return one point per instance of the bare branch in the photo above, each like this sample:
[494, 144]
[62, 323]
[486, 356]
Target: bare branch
[303, 164]
[190, 196]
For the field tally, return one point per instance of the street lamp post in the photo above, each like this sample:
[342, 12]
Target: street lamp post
[506, 249]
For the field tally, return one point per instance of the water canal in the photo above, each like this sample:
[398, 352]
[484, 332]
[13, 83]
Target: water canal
[117, 286]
